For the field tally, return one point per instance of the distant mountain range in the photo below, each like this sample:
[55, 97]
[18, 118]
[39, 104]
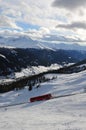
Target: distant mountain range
[24, 41]
[14, 59]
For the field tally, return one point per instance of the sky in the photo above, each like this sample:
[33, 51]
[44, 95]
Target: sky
[44, 18]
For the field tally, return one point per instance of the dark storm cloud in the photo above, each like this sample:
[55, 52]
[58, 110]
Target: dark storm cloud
[78, 25]
[69, 4]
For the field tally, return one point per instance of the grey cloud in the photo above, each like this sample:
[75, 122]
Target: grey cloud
[78, 25]
[69, 4]
[7, 22]
[53, 38]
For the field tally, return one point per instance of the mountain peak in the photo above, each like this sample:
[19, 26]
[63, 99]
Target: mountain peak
[23, 41]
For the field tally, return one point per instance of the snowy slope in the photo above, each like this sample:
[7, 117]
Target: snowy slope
[29, 71]
[66, 113]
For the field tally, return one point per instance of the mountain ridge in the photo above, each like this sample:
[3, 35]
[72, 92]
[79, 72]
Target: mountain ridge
[27, 42]
[14, 59]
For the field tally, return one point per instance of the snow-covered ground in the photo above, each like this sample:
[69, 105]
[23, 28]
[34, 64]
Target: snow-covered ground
[36, 70]
[66, 113]
[28, 72]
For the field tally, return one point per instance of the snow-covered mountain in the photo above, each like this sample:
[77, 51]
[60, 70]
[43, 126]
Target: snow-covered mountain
[18, 42]
[17, 80]
[14, 59]
[24, 41]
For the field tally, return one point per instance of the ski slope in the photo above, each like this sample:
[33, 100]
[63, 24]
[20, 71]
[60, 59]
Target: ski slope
[65, 113]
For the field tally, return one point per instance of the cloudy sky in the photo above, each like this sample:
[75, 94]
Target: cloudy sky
[41, 18]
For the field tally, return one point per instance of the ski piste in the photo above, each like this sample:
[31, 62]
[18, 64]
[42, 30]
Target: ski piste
[53, 97]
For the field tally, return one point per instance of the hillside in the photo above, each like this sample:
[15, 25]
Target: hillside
[14, 59]
[75, 68]
[60, 113]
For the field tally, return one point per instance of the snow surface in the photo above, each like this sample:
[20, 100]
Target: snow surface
[3, 56]
[66, 113]
[27, 72]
